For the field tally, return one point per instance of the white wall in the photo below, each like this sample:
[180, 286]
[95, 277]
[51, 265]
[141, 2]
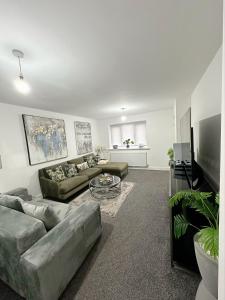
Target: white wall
[182, 103]
[206, 98]
[16, 171]
[160, 134]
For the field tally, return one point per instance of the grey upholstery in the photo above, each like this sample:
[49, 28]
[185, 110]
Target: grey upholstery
[38, 264]
[18, 232]
[52, 261]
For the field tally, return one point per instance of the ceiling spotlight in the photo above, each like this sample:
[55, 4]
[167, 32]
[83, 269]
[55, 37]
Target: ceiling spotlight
[21, 85]
[123, 117]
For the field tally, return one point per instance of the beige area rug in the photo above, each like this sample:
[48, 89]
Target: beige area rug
[108, 206]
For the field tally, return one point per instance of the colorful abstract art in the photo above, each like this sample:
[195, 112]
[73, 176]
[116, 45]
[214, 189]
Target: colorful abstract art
[46, 139]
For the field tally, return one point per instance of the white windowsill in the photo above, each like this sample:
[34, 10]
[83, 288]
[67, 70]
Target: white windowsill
[129, 149]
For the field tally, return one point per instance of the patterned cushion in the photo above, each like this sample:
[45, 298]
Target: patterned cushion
[70, 170]
[83, 166]
[56, 174]
[43, 212]
[91, 162]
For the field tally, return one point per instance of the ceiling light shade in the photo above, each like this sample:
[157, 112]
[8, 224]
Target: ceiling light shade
[123, 118]
[21, 85]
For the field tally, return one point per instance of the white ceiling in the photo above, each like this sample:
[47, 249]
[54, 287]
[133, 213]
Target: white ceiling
[92, 57]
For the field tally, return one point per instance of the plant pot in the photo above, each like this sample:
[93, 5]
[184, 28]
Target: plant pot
[208, 266]
[128, 146]
[171, 162]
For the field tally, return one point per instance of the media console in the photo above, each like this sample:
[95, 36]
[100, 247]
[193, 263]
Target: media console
[182, 250]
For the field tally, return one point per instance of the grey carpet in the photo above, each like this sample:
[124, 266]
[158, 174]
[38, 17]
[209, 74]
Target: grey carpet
[132, 258]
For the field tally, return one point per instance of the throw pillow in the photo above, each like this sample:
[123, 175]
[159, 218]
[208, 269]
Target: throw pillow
[56, 174]
[91, 162]
[70, 170]
[61, 210]
[13, 202]
[42, 212]
[103, 162]
[83, 166]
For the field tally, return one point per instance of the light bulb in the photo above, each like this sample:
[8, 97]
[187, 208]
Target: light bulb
[22, 86]
[123, 118]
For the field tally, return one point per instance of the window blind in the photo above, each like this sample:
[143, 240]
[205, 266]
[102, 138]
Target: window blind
[136, 131]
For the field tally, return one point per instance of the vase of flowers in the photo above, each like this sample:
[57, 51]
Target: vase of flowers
[128, 142]
[99, 150]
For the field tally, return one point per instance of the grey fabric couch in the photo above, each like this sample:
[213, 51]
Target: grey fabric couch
[38, 264]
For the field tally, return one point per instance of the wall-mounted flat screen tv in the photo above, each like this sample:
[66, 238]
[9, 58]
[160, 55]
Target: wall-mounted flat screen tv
[208, 155]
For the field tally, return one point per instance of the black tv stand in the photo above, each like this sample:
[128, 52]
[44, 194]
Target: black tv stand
[182, 250]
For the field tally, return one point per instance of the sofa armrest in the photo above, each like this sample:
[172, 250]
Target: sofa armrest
[51, 263]
[49, 187]
[20, 192]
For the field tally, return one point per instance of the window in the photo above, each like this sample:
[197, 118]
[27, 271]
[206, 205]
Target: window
[135, 131]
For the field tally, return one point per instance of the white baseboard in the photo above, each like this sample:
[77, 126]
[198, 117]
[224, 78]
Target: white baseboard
[151, 168]
[159, 168]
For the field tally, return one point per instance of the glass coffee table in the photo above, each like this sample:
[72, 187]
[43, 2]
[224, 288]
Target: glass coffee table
[105, 186]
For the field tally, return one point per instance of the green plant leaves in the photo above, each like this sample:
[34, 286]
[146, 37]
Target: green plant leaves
[200, 202]
[180, 226]
[183, 196]
[209, 239]
[217, 199]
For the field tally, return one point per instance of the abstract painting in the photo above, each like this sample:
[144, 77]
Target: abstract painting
[46, 139]
[83, 137]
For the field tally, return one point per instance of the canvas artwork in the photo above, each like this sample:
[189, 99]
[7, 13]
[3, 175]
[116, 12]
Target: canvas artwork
[83, 137]
[46, 139]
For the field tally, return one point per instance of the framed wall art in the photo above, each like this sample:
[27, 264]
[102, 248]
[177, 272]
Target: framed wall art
[46, 139]
[83, 137]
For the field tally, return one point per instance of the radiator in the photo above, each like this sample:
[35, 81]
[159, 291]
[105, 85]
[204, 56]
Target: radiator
[133, 158]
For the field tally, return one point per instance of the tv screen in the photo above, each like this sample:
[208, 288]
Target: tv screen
[208, 155]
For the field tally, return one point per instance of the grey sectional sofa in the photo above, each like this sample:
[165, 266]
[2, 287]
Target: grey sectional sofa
[36, 263]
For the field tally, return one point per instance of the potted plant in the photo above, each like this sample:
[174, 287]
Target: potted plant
[170, 153]
[99, 150]
[206, 240]
[128, 142]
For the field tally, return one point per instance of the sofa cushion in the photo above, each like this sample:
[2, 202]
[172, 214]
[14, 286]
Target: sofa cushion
[70, 170]
[91, 172]
[61, 210]
[120, 166]
[76, 161]
[82, 166]
[42, 212]
[91, 162]
[69, 184]
[56, 174]
[91, 159]
[9, 201]
[23, 229]
[103, 161]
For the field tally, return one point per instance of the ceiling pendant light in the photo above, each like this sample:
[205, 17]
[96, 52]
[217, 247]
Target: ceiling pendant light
[123, 117]
[21, 85]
